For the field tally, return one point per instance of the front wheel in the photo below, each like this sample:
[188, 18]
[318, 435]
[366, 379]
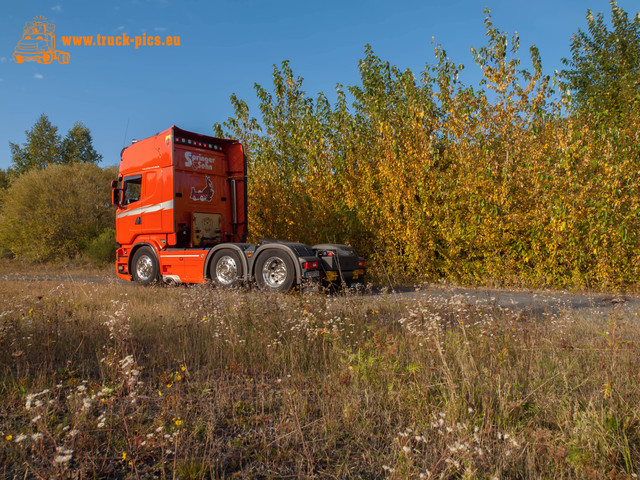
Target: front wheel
[144, 266]
[226, 269]
[275, 271]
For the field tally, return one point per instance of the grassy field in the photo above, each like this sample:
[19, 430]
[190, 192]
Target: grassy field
[116, 381]
[14, 267]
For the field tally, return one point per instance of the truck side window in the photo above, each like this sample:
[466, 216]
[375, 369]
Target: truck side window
[132, 188]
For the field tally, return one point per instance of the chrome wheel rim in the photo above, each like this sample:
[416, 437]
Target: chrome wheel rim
[274, 272]
[226, 270]
[144, 268]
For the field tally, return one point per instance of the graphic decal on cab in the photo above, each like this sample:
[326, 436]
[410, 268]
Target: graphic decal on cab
[204, 195]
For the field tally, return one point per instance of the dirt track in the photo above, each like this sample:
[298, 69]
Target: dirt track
[532, 301]
[529, 301]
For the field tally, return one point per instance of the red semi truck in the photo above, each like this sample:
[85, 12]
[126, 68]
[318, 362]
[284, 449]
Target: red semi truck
[181, 217]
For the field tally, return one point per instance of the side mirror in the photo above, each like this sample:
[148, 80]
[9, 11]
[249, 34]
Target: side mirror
[116, 196]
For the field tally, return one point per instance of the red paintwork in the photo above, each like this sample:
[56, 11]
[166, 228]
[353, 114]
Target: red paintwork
[179, 180]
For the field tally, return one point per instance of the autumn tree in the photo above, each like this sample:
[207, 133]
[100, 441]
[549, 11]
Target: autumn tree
[44, 147]
[40, 149]
[430, 178]
[77, 146]
[603, 73]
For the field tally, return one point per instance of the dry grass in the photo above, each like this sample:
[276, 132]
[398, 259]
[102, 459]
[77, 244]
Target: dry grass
[72, 269]
[117, 381]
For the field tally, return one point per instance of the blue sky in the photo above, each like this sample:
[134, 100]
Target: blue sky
[122, 93]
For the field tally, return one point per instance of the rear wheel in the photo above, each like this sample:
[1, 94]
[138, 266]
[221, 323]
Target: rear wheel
[226, 269]
[275, 271]
[63, 57]
[144, 266]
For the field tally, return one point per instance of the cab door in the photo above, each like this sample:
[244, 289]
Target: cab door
[129, 215]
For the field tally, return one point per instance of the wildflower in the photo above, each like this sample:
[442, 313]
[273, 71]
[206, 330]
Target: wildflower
[178, 422]
[62, 458]
[9, 438]
[406, 449]
[20, 438]
[35, 419]
[36, 436]
[159, 393]
[124, 455]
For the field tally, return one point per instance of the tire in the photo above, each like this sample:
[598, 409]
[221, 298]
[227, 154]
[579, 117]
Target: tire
[46, 58]
[275, 271]
[226, 269]
[144, 267]
[63, 57]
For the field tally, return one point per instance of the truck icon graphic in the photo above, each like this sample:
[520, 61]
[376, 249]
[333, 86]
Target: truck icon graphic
[39, 43]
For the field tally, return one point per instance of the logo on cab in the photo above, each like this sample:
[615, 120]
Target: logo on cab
[198, 161]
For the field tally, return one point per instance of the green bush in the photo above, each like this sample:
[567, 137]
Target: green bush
[54, 213]
[101, 250]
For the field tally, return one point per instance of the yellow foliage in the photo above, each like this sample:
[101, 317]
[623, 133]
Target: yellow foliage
[435, 180]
